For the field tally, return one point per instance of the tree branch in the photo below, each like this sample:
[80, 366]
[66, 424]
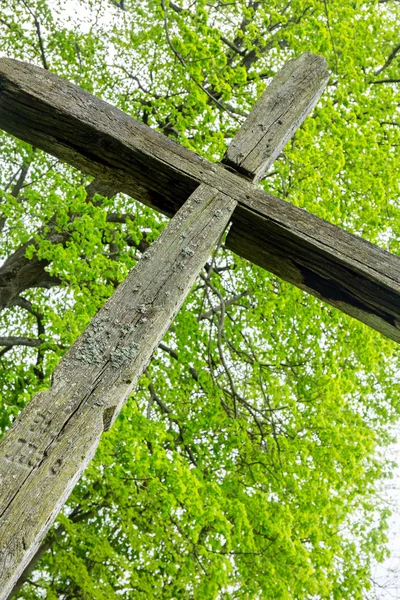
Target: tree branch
[39, 34]
[20, 341]
[183, 63]
[385, 81]
[19, 273]
[229, 302]
[389, 60]
[175, 356]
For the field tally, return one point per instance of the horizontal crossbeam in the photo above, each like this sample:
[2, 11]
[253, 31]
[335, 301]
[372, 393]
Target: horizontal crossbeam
[349, 273]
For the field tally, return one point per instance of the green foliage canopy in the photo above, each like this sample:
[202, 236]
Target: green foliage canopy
[246, 463]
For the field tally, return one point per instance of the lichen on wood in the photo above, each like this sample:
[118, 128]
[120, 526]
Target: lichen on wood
[55, 437]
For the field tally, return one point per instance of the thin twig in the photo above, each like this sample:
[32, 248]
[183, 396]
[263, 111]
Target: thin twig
[39, 34]
[175, 356]
[220, 327]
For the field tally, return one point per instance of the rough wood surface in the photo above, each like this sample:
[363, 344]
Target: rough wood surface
[280, 110]
[57, 434]
[99, 139]
[343, 270]
[43, 455]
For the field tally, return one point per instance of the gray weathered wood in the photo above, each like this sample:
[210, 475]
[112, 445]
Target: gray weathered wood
[53, 440]
[43, 455]
[337, 267]
[280, 110]
[343, 270]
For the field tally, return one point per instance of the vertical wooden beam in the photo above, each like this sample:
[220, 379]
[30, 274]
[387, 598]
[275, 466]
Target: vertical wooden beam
[278, 113]
[55, 437]
[45, 452]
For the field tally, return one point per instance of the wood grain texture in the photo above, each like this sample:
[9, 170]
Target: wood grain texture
[343, 270]
[55, 437]
[278, 113]
[38, 463]
[90, 134]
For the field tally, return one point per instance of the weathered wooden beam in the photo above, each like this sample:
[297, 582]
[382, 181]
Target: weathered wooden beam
[341, 269]
[52, 441]
[337, 267]
[43, 455]
[278, 113]
[64, 120]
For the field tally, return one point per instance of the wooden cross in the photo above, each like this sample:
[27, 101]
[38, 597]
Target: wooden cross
[45, 452]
